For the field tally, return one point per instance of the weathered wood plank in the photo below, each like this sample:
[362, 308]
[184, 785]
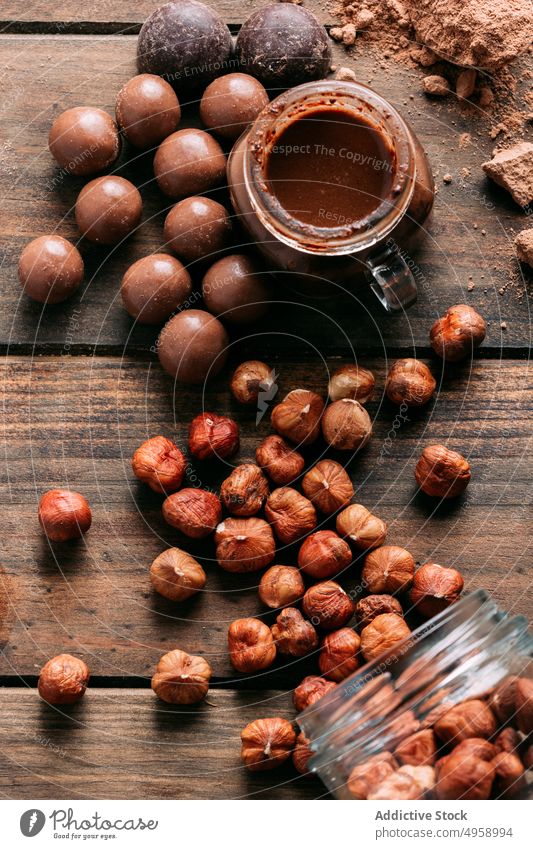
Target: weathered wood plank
[76, 421]
[36, 198]
[118, 15]
[126, 744]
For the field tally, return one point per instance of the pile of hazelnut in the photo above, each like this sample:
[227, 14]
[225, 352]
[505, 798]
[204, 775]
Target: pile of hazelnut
[260, 509]
[478, 749]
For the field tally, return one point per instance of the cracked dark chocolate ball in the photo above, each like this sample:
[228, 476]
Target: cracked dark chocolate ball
[186, 42]
[147, 110]
[154, 287]
[84, 140]
[189, 162]
[108, 209]
[196, 228]
[50, 269]
[193, 346]
[284, 45]
[231, 103]
[234, 289]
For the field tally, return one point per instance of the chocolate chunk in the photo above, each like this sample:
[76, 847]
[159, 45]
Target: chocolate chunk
[513, 170]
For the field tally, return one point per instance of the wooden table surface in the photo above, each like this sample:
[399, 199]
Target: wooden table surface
[82, 389]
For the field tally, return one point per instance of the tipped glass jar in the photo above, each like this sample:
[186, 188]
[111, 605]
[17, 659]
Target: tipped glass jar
[458, 660]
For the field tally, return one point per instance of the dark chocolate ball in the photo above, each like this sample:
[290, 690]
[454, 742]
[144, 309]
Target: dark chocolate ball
[108, 209]
[186, 42]
[154, 286]
[193, 346]
[196, 228]
[284, 45]
[147, 110]
[231, 103]
[50, 269]
[189, 162]
[234, 289]
[84, 140]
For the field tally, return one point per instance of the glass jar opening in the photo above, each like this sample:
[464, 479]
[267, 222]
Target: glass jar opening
[329, 167]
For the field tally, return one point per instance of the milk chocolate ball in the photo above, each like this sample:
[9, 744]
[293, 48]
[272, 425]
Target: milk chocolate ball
[189, 162]
[196, 228]
[153, 287]
[284, 45]
[147, 110]
[234, 289]
[231, 103]
[50, 269]
[84, 140]
[186, 42]
[108, 209]
[192, 346]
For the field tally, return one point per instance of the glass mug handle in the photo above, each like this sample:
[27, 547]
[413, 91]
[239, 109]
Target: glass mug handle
[393, 283]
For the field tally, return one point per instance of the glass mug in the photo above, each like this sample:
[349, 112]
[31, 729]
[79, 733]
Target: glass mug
[353, 250]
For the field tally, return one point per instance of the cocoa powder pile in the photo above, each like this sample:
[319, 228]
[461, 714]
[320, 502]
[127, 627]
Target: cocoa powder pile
[467, 44]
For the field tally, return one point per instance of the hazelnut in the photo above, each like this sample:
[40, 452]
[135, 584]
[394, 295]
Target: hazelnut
[267, 743]
[243, 493]
[323, 555]
[338, 655]
[211, 435]
[366, 777]
[502, 699]
[364, 530]
[251, 378]
[64, 515]
[442, 473]
[292, 634]
[457, 333]
[419, 749]
[160, 464]
[464, 777]
[302, 754]
[250, 645]
[476, 746]
[310, 691]
[181, 678]
[327, 605]
[195, 512]
[410, 382]
[524, 705]
[508, 740]
[472, 718]
[435, 588]
[509, 771]
[298, 416]
[63, 680]
[371, 606]
[346, 425]
[281, 586]
[388, 569]
[351, 382]
[176, 575]
[423, 775]
[291, 514]
[397, 786]
[244, 545]
[383, 633]
[280, 462]
[328, 486]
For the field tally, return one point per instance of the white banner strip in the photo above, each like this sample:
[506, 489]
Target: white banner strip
[267, 824]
